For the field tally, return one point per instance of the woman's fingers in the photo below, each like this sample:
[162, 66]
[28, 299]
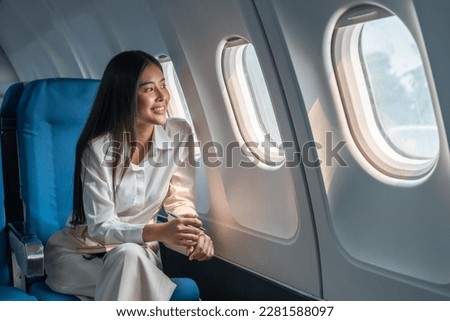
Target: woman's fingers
[184, 230]
[187, 235]
[204, 249]
[191, 221]
[189, 215]
[187, 243]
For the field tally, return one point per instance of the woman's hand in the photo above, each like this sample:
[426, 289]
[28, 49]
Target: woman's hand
[182, 231]
[203, 250]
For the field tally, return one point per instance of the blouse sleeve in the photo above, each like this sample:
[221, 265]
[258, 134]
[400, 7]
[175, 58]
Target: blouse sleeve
[180, 197]
[101, 217]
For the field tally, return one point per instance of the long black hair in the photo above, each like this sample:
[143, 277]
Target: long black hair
[113, 112]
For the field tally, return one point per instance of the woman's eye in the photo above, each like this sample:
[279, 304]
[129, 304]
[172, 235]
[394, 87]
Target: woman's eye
[148, 89]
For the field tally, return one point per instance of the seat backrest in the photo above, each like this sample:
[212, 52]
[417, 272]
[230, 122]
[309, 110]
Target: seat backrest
[8, 110]
[50, 117]
[4, 267]
[13, 202]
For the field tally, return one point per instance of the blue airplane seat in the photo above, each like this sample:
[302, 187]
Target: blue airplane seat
[186, 290]
[11, 100]
[13, 203]
[7, 291]
[50, 117]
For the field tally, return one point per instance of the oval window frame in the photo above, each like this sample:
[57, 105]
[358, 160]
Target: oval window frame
[354, 91]
[240, 95]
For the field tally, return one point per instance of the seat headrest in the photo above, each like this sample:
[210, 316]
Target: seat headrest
[11, 100]
[57, 100]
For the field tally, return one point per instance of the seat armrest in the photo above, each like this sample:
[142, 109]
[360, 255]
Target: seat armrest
[27, 253]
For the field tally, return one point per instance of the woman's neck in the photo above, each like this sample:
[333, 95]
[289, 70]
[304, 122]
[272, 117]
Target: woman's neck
[144, 133]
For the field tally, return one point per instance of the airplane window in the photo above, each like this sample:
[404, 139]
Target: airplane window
[177, 104]
[178, 108]
[385, 92]
[251, 102]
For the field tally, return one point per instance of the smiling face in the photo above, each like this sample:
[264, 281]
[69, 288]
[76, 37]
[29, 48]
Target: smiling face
[153, 97]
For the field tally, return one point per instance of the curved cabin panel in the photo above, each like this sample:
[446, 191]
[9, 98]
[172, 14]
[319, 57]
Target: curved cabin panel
[385, 230]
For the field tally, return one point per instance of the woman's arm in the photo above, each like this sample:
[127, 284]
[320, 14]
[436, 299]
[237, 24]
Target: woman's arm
[180, 200]
[98, 200]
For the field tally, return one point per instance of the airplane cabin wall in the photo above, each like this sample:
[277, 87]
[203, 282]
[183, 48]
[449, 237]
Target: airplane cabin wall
[435, 27]
[379, 237]
[260, 217]
[7, 74]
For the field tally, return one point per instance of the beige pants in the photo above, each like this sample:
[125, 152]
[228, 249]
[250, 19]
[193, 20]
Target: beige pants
[128, 272]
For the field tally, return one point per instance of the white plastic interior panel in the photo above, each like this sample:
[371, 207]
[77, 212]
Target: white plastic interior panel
[379, 237]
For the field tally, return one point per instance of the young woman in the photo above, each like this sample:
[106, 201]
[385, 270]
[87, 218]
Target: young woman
[130, 162]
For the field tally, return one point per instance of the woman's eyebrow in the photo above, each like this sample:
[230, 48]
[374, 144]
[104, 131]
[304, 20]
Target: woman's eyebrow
[150, 82]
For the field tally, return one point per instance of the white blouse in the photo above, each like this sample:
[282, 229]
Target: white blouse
[164, 178]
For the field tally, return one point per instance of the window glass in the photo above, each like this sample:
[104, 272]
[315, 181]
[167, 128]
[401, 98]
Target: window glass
[251, 102]
[260, 95]
[385, 92]
[399, 88]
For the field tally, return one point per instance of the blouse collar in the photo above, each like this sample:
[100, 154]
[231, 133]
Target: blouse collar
[161, 140]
